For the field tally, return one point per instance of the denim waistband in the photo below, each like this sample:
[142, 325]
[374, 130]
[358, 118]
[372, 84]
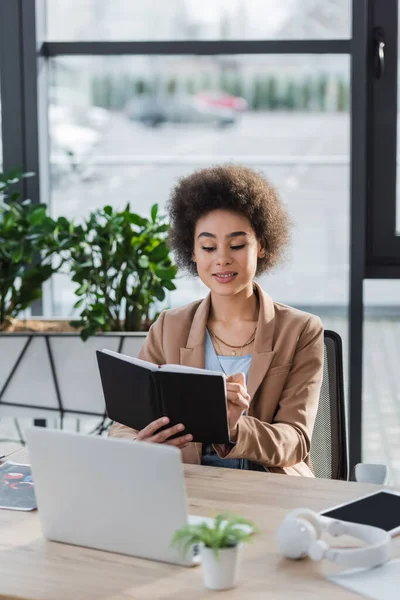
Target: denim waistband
[207, 450]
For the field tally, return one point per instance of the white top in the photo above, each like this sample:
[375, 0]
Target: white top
[227, 364]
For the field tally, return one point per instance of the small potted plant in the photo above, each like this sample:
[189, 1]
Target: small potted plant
[220, 544]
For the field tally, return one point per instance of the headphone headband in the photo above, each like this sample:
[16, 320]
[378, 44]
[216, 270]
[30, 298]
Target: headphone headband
[377, 553]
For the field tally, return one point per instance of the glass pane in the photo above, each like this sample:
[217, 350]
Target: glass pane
[194, 20]
[125, 128]
[381, 385]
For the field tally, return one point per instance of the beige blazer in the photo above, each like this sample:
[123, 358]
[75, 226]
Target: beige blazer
[284, 380]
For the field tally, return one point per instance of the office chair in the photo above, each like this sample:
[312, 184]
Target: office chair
[329, 448]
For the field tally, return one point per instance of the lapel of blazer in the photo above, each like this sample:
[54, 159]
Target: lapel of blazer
[262, 353]
[193, 355]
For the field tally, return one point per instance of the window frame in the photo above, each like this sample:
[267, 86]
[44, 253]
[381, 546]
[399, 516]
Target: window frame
[382, 243]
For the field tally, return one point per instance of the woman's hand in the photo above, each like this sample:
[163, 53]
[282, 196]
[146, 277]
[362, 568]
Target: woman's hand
[152, 434]
[238, 401]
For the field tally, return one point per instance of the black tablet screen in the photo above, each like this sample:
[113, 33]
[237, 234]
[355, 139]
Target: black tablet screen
[381, 510]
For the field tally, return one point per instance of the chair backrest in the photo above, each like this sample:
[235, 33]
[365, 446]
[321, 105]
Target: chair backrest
[329, 454]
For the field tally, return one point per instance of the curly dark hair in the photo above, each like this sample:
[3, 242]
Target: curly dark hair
[229, 187]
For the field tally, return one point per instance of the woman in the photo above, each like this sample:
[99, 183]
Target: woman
[227, 226]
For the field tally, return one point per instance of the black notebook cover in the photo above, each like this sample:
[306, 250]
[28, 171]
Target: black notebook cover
[136, 395]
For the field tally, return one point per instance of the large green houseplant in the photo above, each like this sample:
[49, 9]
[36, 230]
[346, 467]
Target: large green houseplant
[121, 264]
[30, 244]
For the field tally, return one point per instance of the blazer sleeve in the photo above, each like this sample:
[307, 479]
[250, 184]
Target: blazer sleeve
[287, 440]
[152, 351]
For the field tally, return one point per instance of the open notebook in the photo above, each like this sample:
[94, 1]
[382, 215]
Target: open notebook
[137, 392]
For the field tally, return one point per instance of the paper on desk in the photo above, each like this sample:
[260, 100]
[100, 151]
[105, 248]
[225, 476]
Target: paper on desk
[380, 583]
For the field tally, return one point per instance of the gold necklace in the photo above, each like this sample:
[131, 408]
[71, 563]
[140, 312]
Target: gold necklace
[220, 353]
[233, 348]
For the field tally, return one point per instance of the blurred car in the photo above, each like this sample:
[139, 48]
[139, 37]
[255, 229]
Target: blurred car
[154, 110]
[223, 100]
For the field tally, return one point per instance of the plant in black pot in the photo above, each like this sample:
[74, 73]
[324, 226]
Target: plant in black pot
[121, 264]
[30, 245]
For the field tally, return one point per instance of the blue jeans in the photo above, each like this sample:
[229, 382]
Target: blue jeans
[211, 459]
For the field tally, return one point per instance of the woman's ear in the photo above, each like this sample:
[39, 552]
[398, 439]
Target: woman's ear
[261, 251]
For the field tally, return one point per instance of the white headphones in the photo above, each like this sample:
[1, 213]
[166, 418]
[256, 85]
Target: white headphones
[300, 532]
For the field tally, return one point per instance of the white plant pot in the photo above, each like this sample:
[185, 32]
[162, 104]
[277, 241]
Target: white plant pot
[220, 573]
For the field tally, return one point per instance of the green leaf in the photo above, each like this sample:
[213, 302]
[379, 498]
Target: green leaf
[159, 253]
[166, 274]
[37, 216]
[63, 223]
[82, 289]
[143, 261]
[169, 285]
[79, 303]
[17, 254]
[38, 274]
[137, 220]
[154, 212]
[162, 228]
[85, 333]
[75, 324]
[98, 306]
[108, 210]
[99, 319]
[159, 293]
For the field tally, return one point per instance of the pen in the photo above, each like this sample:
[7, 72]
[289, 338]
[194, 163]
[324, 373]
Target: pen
[2, 456]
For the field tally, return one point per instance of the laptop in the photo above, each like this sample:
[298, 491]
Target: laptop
[110, 494]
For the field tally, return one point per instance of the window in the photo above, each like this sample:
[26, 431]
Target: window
[126, 128]
[81, 20]
[381, 377]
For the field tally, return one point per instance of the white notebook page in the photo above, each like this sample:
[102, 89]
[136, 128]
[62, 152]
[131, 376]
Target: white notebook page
[168, 368]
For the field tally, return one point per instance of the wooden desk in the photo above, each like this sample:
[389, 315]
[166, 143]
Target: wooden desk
[35, 569]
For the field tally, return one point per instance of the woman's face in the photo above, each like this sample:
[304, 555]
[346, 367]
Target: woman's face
[226, 251]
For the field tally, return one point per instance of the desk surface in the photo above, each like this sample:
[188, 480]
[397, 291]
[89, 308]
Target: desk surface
[31, 567]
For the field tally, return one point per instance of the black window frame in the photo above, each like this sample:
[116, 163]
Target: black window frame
[382, 243]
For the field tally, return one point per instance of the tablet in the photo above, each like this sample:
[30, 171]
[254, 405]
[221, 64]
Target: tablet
[380, 509]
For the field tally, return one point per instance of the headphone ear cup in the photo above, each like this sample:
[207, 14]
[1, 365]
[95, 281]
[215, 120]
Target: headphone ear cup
[294, 536]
